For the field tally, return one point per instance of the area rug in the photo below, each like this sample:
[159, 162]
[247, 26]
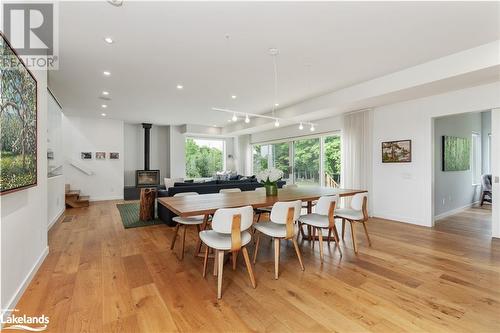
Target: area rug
[129, 213]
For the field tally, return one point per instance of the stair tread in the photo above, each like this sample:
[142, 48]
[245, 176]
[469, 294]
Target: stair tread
[75, 192]
[83, 198]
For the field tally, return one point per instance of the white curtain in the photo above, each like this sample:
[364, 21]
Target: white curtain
[357, 150]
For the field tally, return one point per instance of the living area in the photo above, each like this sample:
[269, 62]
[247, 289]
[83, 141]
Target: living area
[208, 163]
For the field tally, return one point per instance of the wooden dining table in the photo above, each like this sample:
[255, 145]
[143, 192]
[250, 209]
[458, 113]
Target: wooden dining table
[207, 204]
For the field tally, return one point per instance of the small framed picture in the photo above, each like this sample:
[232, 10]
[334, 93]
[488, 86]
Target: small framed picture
[100, 155]
[114, 156]
[396, 151]
[86, 155]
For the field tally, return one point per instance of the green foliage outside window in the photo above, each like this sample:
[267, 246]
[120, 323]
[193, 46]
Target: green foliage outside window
[202, 161]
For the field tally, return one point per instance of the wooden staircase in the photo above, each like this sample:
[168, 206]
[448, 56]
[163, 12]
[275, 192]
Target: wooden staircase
[74, 199]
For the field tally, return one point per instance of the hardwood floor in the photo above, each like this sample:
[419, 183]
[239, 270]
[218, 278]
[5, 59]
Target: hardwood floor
[100, 277]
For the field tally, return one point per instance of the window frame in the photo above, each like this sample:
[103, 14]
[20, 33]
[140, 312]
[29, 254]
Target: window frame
[224, 157]
[291, 140]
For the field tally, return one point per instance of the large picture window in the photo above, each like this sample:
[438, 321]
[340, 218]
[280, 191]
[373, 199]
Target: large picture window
[204, 157]
[305, 161]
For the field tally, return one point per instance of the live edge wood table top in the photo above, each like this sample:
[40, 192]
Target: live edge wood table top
[204, 204]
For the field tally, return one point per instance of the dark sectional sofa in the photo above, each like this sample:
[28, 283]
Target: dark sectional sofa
[213, 186]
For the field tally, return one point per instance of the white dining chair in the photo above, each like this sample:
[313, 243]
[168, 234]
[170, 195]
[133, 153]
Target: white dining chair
[229, 233]
[357, 213]
[185, 221]
[281, 226]
[230, 190]
[322, 218]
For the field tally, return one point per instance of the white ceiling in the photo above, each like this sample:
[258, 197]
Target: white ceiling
[161, 44]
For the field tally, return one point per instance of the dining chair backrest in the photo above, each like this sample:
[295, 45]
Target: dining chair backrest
[222, 221]
[279, 212]
[290, 186]
[185, 194]
[230, 190]
[359, 202]
[323, 205]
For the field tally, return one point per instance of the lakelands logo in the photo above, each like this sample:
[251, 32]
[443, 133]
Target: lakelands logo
[32, 30]
[25, 323]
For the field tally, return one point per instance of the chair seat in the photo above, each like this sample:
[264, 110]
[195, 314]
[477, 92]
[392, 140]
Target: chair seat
[192, 220]
[350, 214]
[271, 229]
[315, 220]
[220, 241]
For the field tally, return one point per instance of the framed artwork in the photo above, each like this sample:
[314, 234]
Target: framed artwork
[114, 156]
[18, 122]
[396, 151]
[100, 155]
[86, 155]
[456, 153]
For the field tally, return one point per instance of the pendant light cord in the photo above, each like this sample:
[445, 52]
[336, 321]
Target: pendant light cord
[275, 83]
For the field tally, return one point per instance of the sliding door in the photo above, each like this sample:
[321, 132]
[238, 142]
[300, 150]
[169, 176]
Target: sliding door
[332, 161]
[272, 155]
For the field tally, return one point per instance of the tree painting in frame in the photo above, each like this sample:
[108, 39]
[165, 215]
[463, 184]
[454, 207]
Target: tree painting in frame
[18, 122]
[456, 153]
[396, 151]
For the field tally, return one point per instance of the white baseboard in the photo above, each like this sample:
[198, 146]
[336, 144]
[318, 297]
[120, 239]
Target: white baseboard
[402, 219]
[454, 211]
[55, 219]
[20, 291]
[105, 198]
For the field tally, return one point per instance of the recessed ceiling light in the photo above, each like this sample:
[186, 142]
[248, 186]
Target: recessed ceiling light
[214, 125]
[180, 86]
[109, 40]
[276, 104]
[105, 93]
[104, 106]
[106, 73]
[103, 114]
[229, 120]
[233, 96]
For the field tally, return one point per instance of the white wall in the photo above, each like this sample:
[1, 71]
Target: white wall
[23, 226]
[453, 190]
[485, 144]
[495, 168]
[94, 135]
[404, 192]
[177, 152]
[134, 151]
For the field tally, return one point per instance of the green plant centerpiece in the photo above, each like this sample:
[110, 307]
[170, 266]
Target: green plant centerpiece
[270, 178]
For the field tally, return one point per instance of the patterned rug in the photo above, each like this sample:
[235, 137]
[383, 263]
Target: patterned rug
[129, 213]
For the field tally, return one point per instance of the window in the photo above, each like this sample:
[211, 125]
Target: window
[204, 157]
[476, 159]
[308, 161]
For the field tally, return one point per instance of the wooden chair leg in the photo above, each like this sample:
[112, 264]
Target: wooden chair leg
[216, 258]
[366, 232]
[220, 264]
[336, 237]
[297, 250]
[320, 237]
[353, 236]
[183, 242]
[482, 198]
[205, 262]
[256, 248]
[198, 242]
[235, 258]
[343, 228]
[313, 236]
[329, 236]
[276, 257]
[309, 232]
[175, 236]
[249, 266]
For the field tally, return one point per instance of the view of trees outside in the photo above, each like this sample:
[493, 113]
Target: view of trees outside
[332, 149]
[204, 157]
[306, 160]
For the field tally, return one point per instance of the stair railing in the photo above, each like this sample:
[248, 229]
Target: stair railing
[81, 167]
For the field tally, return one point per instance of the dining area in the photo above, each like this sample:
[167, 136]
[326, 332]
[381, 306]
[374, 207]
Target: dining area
[237, 222]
